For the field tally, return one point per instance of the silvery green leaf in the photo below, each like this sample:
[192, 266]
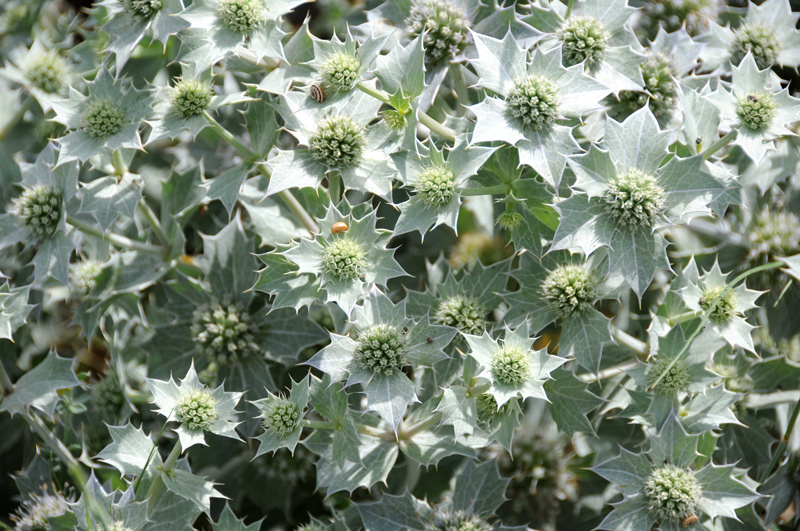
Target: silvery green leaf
[583, 338]
[711, 409]
[129, 452]
[722, 493]
[170, 511]
[395, 513]
[389, 396]
[191, 487]
[628, 471]
[458, 410]
[478, 488]
[673, 444]
[39, 387]
[499, 63]
[631, 514]
[403, 69]
[108, 197]
[228, 261]
[95, 505]
[429, 447]
[570, 402]
[637, 142]
[228, 522]
[299, 50]
[226, 187]
[52, 258]
[14, 309]
[701, 119]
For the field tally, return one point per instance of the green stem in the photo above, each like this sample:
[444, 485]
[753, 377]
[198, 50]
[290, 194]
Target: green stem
[158, 483]
[375, 93]
[73, 466]
[150, 456]
[118, 162]
[116, 239]
[429, 422]
[320, 424]
[248, 154]
[783, 444]
[461, 87]
[155, 223]
[684, 317]
[503, 188]
[569, 8]
[719, 144]
[627, 340]
[6, 386]
[23, 108]
[265, 62]
[294, 205]
[335, 187]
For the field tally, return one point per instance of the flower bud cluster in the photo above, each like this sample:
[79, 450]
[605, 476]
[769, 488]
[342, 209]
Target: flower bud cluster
[47, 72]
[671, 15]
[672, 493]
[533, 102]
[635, 200]
[107, 399]
[83, 276]
[241, 16]
[39, 208]
[281, 416]
[35, 512]
[445, 25]
[721, 304]
[583, 39]
[340, 72]
[511, 366]
[463, 312]
[457, 521]
[436, 186]
[661, 91]
[381, 349]
[102, 119]
[224, 333]
[759, 41]
[344, 259]
[191, 97]
[197, 409]
[338, 142]
[676, 379]
[569, 289]
[143, 9]
[756, 111]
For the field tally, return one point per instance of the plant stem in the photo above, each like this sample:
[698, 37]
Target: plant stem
[569, 8]
[58, 448]
[265, 62]
[783, 444]
[719, 144]
[116, 239]
[335, 186]
[627, 340]
[118, 162]
[320, 424]
[294, 205]
[432, 420]
[155, 223]
[248, 154]
[6, 386]
[375, 93]
[158, 483]
[502, 188]
[607, 373]
[684, 317]
[23, 108]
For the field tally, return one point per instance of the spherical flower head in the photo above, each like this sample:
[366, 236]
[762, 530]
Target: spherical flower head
[281, 416]
[241, 16]
[510, 219]
[338, 142]
[487, 407]
[83, 276]
[676, 379]
[395, 120]
[39, 209]
[46, 71]
[102, 119]
[340, 72]
[445, 25]
[463, 312]
[661, 91]
[436, 186]
[569, 289]
[671, 15]
[760, 41]
[511, 366]
[721, 304]
[143, 9]
[190, 97]
[583, 38]
[224, 333]
[773, 234]
[197, 409]
[635, 200]
[756, 111]
[533, 102]
[344, 259]
[381, 349]
[34, 512]
[458, 521]
[672, 493]
[107, 399]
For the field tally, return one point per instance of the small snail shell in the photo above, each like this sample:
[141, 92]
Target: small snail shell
[317, 93]
[339, 226]
[689, 520]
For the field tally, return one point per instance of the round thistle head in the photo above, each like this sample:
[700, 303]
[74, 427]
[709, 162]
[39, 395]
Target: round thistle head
[445, 25]
[241, 16]
[487, 407]
[773, 234]
[396, 120]
[47, 72]
[457, 521]
[463, 312]
[756, 111]
[569, 288]
[197, 409]
[436, 186]
[224, 333]
[510, 219]
[143, 9]
[107, 399]
[39, 209]
[381, 349]
[34, 512]
[721, 304]
[672, 493]
[83, 276]
[635, 200]
[676, 380]
[759, 40]
[511, 366]
[102, 119]
[281, 416]
[661, 91]
[344, 259]
[190, 97]
[671, 15]
[338, 142]
[533, 102]
[583, 39]
[340, 72]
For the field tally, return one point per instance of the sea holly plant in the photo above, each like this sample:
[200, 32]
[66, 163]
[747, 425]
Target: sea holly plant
[223, 271]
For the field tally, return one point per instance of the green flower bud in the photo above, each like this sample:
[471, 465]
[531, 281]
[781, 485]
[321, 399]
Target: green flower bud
[197, 409]
[281, 416]
[726, 304]
[511, 366]
[190, 98]
[635, 200]
[760, 41]
[40, 209]
[463, 312]
[107, 399]
[510, 219]
[83, 276]
[338, 142]
[583, 39]
[672, 493]
[340, 72]
[445, 25]
[457, 521]
[533, 102]
[344, 259]
[569, 289]
[224, 333]
[676, 380]
[671, 15]
[241, 16]
[487, 407]
[436, 186]
[396, 120]
[34, 512]
[381, 349]
[143, 9]
[102, 119]
[47, 72]
[773, 234]
[661, 91]
[756, 111]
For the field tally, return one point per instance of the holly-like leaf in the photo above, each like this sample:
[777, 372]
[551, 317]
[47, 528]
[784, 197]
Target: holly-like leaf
[39, 387]
[129, 451]
[14, 309]
[479, 488]
[570, 402]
